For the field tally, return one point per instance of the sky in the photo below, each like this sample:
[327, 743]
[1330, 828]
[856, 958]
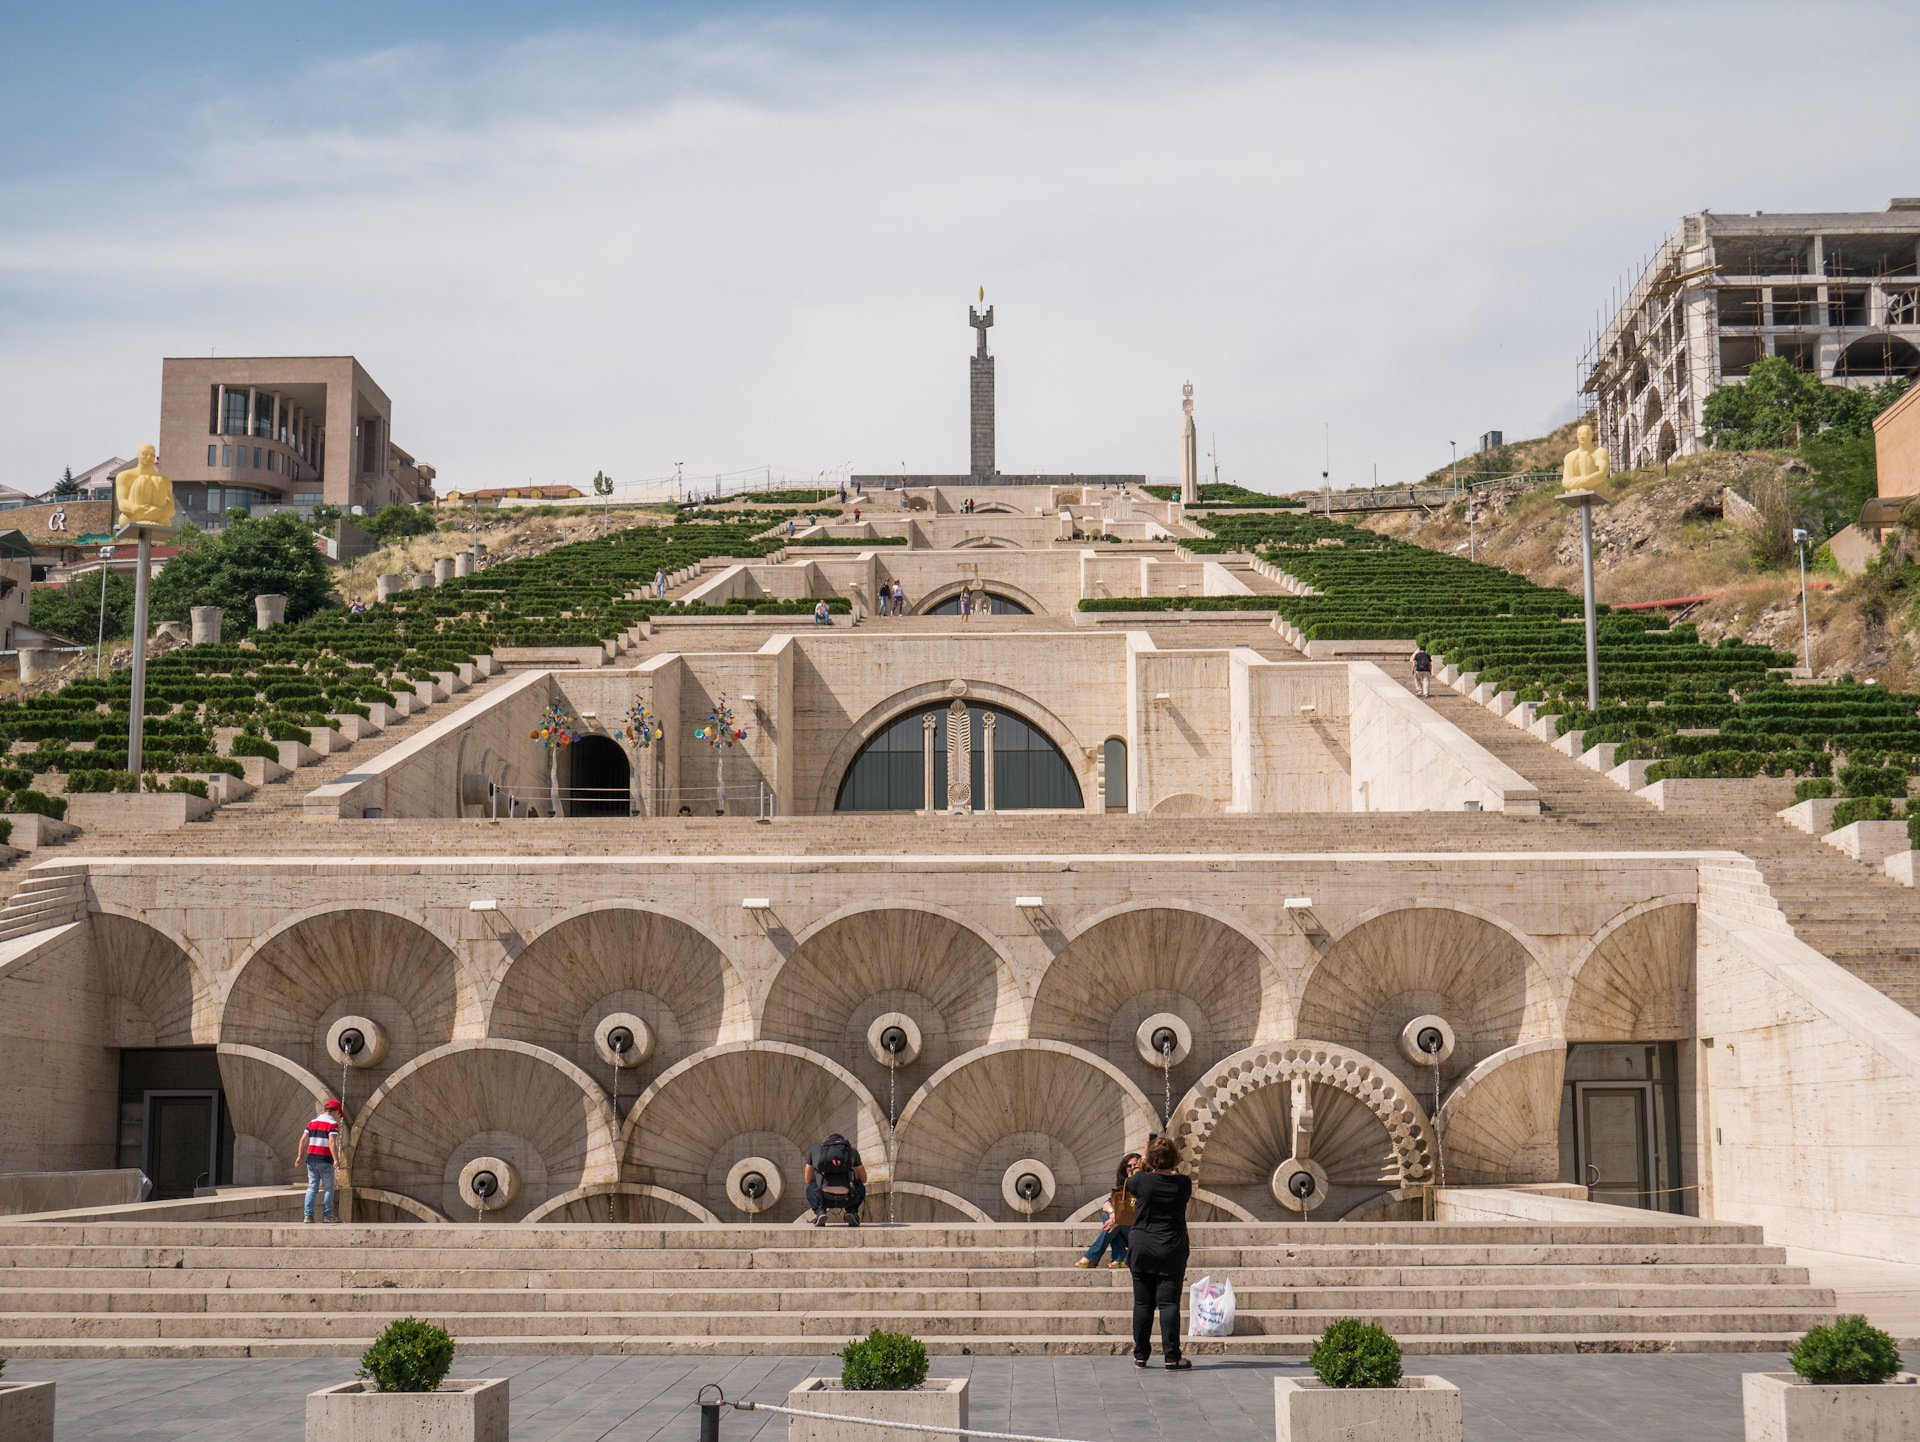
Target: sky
[581, 237]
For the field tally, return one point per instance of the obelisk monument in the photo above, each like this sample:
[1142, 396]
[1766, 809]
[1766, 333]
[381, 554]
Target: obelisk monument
[1189, 451]
[982, 468]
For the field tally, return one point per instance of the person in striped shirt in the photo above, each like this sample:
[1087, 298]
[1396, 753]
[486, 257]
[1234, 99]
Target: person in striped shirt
[319, 1150]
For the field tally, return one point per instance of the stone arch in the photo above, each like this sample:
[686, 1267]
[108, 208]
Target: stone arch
[918, 1202]
[1405, 959]
[1501, 1124]
[1010, 1100]
[1634, 981]
[917, 958]
[608, 956]
[1669, 442]
[152, 980]
[1187, 803]
[744, 1099]
[987, 543]
[337, 961]
[490, 1097]
[984, 693]
[371, 1204]
[632, 1202]
[1370, 1133]
[1206, 1206]
[269, 1100]
[1131, 961]
[947, 590]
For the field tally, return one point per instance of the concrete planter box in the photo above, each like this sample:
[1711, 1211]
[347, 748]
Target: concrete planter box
[473, 1410]
[383, 715]
[1501, 702]
[936, 1402]
[1869, 841]
[150, 810]
[1699, 795]
[295, 754]
[557, 655]
[355, 728]
[428, 693]
[327, 741]
[1902, 865]
[26, 1411]
[31, 830]
[1420, 1409]
[450, 682]
[263, 772]
[1599, 758]
[1814, 817]
[1542, 726]
[1781, 1408]
[1569, 744]
[1630, 775]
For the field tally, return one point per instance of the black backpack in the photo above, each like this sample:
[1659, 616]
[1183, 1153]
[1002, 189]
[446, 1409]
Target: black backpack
[836, 1161]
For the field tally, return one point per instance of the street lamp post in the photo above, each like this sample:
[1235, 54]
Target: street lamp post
[1586, 500]
[1806, 634]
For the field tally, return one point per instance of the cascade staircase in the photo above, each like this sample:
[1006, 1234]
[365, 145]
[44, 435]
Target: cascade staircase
[130, 1289]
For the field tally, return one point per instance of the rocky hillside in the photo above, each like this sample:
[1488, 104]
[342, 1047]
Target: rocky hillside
[1673, 532]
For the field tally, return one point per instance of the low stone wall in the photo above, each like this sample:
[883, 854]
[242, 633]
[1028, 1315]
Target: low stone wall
[1407, 757]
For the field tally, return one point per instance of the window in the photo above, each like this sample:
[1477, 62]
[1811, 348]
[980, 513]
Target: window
[1028, 770]
[226, 455]
[1116, 754]
[212, 451]
[985, 602]
[256, 458]
[236, 414]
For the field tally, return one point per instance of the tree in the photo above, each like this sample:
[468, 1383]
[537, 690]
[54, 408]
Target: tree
[272, 555]
[66, 488]
[397, 522]
[602, 487]
[73, 610]
[1779, 406]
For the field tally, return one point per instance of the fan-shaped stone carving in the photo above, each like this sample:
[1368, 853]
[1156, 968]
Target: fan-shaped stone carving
[620, 959]
[918, 1202]
[1369, 1134]
[1636, 984]
[1124, 969]
[148, 980]
[976, 1116]
[470, 1099]
[269, 1100]
[942, 974]
[366, 963]
[1501, 1125]
[748, 1099]
[622, 1202]
[1420, 959]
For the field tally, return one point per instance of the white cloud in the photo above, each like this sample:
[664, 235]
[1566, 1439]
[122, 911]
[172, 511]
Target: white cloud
[755, 244]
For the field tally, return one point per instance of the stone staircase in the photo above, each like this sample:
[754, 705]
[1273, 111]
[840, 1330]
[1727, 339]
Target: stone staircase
[249, 1289]
[47, 896]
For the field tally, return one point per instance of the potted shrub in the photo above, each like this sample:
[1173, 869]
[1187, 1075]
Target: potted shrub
[1846, 1384]
[404, 1393]
[26, 1409]
[883, 1379]
[1359, 1391]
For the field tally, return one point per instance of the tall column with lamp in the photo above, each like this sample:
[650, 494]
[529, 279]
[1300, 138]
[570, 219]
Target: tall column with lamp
[144, 500]
[1584, 470]
[1806, 633]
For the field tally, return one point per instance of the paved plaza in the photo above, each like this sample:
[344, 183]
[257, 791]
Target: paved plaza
[1601, 1398]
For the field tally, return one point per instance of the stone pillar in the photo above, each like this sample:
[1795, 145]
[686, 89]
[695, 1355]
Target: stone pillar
[986, 770]
[463, 564]
[927, 723]
[269, 611]
[1189, 451]
[959, 760]
[980, 393]
[442, 569]
[37, 661]
[420, 581]
[206, 625]
[385, 587]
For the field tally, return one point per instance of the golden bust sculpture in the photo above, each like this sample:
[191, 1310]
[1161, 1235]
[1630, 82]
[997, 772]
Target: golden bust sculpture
[143, 496]
[1587, 468]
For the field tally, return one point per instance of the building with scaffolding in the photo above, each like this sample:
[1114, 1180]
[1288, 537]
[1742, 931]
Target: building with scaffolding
[1838, 294]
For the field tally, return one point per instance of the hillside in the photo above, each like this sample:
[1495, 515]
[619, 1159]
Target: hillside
[1669, 533]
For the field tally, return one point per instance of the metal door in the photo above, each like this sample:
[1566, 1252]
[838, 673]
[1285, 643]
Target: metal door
[1613, 1138]
[182, 1143]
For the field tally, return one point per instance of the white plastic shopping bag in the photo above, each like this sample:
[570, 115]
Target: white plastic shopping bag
[1211, 1308]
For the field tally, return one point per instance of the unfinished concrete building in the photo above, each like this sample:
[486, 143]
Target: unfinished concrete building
[1837, 294]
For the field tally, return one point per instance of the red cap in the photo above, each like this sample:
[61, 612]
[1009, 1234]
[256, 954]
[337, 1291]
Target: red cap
[330, 1104]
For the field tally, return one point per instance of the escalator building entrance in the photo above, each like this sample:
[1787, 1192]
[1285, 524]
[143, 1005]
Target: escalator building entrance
[600, 776]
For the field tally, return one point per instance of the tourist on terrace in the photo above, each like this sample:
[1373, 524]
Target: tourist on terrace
[836, 1180]
[966, 604]
[1422, 670]
[1157, 1251]
[1119, 1217]
[318, 1151]
[820, 614]
[881, 596]
[660, 584]
[899, 599]
[687, 811]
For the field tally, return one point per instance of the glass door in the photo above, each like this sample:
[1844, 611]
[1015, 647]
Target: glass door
[182, 1142]
[1615, 1141]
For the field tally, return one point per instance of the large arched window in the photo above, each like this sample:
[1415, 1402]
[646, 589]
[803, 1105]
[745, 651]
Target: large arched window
[984, 602]
[1029, 772]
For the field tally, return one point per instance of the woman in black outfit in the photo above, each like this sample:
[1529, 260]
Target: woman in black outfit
[1158, 1251]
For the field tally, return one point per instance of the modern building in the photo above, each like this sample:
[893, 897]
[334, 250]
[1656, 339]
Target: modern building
[1837, 294]
[281, 430]
[1896, 447]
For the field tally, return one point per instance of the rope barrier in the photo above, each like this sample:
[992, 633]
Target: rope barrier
[721, 1400]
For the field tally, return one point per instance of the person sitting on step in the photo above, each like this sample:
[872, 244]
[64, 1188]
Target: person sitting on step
[836, 1180]
[1118, 1213]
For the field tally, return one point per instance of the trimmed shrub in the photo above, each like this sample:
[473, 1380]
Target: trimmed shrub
[253, 746]
[1864, 808]
[39, 803]
[1814, 788]
[6, 835]
[84, 781]
[1873, 780]
[883, 1362]
[1851, 1352]
[12, 778]
[286, 731]
[1913, 828]
[1356, 1354]
[410, 1356]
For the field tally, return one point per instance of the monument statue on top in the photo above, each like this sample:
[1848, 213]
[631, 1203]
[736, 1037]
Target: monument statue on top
[143, 496]
[982, 467]
[1587, 467]
[1189, 451]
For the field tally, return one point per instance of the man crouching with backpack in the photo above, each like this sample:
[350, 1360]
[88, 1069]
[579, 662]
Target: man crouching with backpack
[836, 1180]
